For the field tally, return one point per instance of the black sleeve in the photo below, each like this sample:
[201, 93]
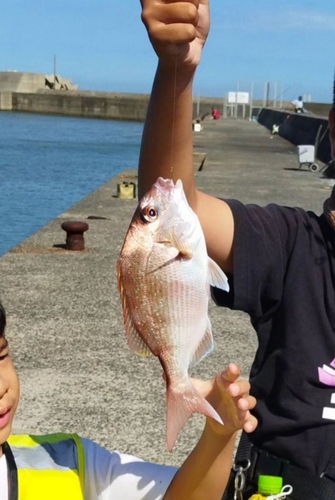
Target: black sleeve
[263, 239]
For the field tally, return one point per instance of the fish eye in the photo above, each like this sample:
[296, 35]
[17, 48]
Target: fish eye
[150, 214]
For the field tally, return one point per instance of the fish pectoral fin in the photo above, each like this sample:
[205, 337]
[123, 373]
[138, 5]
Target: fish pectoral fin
[184, 251]
[205, 346]
[177, 237]
[216, 277]
[161, 255]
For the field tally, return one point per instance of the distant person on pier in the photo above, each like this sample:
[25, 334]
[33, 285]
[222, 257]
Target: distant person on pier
[216, 114]
[281, 266]
[298, 105]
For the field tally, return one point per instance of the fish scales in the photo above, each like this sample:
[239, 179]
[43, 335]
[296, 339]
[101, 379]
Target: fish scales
[164, 278]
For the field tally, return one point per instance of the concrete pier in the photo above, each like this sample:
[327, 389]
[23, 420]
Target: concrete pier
[64, 315]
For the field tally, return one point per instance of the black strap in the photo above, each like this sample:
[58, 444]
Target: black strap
[305, 485]
[13, 487]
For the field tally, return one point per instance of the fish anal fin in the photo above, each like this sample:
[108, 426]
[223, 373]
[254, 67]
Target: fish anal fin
[205, 346]
[216, 277]
[181, 404]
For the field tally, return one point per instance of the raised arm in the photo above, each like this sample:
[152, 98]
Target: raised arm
[178, 32]
[204, 474]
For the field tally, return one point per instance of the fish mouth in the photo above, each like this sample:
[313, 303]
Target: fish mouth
[163, 188]
[167, 184]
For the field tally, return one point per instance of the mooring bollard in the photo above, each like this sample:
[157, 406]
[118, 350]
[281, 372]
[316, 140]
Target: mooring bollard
[75, 234]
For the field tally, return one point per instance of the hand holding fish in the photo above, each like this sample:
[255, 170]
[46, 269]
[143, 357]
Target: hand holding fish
[206, 470]
[229, 397]
[172, 24]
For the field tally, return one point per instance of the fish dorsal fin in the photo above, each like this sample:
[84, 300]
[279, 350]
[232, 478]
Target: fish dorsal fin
[216, 277]
[205, 346]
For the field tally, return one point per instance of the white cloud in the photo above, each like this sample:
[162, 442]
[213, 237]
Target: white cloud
[310, 20]
[270, 22]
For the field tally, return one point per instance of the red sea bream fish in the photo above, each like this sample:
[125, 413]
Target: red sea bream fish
[164, 278]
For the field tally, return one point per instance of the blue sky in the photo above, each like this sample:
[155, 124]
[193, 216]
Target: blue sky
[102, 45]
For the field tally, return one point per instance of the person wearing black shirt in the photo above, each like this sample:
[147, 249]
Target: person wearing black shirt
[281, 267]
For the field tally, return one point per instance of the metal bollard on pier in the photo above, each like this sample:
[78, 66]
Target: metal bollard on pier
[75, 234]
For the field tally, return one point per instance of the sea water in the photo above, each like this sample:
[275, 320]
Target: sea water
[48, 163]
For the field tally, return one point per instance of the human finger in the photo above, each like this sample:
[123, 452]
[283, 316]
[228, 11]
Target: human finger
[246, 402]
[177, 12]
[176, 33]
[226, 380]
[157, 15]
[180, 12]
[231, 373]
[239, 388]
[146, 3]
[243, 406]
[250, 423]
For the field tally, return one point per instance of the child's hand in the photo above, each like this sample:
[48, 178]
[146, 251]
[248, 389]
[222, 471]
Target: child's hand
[230, 399]
[177, 29]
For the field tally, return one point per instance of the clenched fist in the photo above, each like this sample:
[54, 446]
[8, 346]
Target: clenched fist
[177, 30]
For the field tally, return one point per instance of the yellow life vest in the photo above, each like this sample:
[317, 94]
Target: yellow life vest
[49, 467]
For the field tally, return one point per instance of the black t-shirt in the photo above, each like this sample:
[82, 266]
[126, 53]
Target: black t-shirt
[284, 278]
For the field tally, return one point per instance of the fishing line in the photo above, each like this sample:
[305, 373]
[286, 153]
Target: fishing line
[173, 111]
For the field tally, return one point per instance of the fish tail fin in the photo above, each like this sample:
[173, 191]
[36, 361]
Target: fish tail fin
[182, 402]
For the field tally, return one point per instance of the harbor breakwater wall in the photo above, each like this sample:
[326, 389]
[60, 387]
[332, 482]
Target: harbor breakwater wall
[117, 106]
[107, 105]
[299, 129]
[87, 104]
[130, 107]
